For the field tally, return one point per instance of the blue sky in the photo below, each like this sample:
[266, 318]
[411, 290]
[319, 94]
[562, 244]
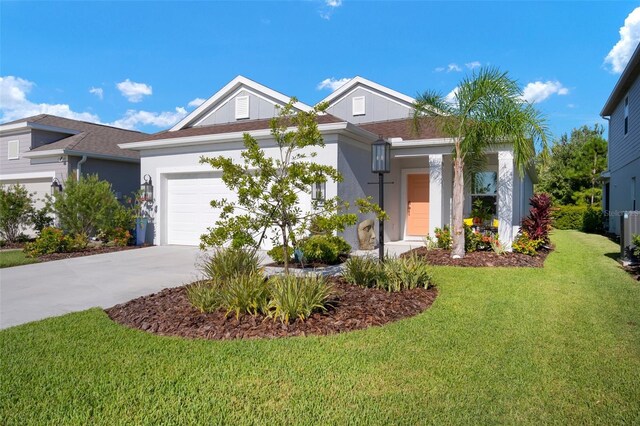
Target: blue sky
[141, 64]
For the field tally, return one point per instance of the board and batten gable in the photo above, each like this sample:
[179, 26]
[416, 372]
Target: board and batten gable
[260, 107]
[377, 106]
[625, 148]
[22, 164]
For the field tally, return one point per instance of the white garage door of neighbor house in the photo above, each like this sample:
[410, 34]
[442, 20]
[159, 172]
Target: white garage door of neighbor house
[189, 212]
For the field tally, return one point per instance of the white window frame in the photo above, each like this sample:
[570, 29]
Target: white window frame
[240, 115]
[358, 105]
[475, 194]
[15, 143]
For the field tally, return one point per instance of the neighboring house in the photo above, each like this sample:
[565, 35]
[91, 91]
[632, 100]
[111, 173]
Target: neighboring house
[418, 200]
[36, 150]
[621, 190]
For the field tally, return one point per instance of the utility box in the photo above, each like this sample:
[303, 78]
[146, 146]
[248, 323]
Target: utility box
[629, 226]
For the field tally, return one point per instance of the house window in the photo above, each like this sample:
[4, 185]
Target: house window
[13, 150]
[626, 115]
[242, 107]
[484, 190]
[358, 105]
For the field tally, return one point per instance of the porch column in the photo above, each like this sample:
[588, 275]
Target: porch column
[435, 192]
[505, 197]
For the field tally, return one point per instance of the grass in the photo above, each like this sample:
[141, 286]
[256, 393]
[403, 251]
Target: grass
[9, 258]
[556, 345]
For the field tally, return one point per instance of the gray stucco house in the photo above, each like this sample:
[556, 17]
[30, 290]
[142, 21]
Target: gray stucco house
[36, 150]
[621, 190]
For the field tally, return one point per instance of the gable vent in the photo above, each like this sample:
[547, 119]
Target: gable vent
[13, 150]
[242, 107]
[358, 105]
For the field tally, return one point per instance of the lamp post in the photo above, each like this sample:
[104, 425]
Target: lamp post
[381, 164]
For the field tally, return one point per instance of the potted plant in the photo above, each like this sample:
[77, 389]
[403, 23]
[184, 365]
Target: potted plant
[480, 212]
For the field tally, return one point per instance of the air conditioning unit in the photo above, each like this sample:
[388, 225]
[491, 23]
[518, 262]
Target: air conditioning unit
[629, 226]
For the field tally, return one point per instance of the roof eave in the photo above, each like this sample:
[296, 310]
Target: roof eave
[625, 81]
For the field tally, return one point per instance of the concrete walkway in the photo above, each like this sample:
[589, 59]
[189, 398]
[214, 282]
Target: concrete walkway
[41, 290]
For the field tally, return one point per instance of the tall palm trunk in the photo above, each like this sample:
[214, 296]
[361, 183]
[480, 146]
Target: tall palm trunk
[457, 233]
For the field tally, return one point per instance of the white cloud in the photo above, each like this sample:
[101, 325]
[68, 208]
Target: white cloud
[538, 91]
[439, 69]
[328, 7]
[472, 65]
[333, 3]
[134, 91]
[451, 96]
[15, 105]
[97, 91]
[629, 39]
[331, 83]
[132, 118]
[196, 102]
[453, 67]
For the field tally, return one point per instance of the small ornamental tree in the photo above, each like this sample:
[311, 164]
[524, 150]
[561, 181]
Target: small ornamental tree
[16, 209]
[538, 224]
[268, 188]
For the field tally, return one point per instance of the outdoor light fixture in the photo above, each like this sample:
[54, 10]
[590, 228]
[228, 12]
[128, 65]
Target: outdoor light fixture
[319, 191]
[147, 189]
[381, 164]
[56, 186]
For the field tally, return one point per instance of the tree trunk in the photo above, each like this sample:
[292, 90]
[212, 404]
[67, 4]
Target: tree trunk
[285, 251]
[457, 231]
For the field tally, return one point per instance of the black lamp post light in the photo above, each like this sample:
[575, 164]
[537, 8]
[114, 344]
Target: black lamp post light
[381, 164]
[147, 189]
[56, 186]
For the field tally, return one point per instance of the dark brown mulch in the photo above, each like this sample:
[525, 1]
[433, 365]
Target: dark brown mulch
[12, 246]
[169, 313]
[310, 265]
[634, 271]
[86, 252]
[442, 257]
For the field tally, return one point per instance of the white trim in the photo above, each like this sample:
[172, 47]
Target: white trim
[27, 176]
[403, 201]
[48, 153]
[229, 87]
[59, 152]
[364, 82]
[17, 127]
[16, 145]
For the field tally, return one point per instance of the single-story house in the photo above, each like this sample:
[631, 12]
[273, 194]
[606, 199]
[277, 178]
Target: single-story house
[37, 150]
[418, 200]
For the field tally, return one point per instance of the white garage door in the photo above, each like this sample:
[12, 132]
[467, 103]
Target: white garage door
[189, 213]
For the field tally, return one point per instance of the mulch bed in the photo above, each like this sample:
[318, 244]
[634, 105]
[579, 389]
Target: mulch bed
[12, 246]
[634, 271]
[169, 313]
[442, 257]
[86, 252]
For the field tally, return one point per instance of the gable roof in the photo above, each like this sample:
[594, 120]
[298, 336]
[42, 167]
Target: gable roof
[403, 128]
[227, 90]
[84, 138]
[628, 77]
[361, 81]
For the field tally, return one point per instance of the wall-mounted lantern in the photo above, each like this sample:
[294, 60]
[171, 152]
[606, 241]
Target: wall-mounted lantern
[56, 186]
[319, 191]
[147, 189]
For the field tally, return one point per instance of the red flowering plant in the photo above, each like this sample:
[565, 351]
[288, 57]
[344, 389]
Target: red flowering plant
[538, 224]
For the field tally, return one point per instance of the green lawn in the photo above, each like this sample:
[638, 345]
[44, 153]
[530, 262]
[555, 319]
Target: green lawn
[557, 345]
[10, 258]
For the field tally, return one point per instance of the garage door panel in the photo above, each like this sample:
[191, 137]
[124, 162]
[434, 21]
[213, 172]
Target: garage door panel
[189, 212]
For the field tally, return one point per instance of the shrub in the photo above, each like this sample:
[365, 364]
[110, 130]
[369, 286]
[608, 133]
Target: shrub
[568, 217]
[278, 252]
[472, 240]
[443, 236]
[593, 221]
[78, 242]
[204, 295]
[225, 263]
[41, 218]
[402, 273]
[51, 240]
[123, 217]
[120, 237]
[244, 293]
[636, 242]
[538, 223]
[324, 248]
[16, 211]
[362, 271]
[86, 206]
[297, 297]
[497, 246]
[525, 244]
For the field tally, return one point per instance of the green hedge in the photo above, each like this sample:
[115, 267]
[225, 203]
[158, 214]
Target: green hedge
[581, 218]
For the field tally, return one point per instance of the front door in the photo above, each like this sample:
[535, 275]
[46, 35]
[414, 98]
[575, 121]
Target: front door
[417, 204]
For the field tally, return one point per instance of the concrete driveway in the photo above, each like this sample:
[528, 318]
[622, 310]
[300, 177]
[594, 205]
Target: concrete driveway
[33, 292]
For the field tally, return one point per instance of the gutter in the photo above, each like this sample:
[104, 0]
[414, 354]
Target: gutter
[59, 152]
[79, 167]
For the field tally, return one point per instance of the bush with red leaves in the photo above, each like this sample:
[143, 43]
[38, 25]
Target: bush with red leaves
[538, 223]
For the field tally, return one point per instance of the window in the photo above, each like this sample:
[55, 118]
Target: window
[484, 190]
[626, 115]
[13, 150]
[358, 104]
[242, 107]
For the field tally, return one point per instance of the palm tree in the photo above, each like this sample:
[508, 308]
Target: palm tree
[487, 110]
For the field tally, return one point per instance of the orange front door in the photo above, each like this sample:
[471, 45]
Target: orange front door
[417, 204]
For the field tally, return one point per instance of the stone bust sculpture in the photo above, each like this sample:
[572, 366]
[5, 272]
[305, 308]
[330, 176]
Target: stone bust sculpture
[366, 235]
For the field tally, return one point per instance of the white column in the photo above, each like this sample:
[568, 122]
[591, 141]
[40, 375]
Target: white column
[435, 192]
[505, 197]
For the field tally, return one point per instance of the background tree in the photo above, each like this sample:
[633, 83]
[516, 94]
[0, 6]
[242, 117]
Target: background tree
[268, 188]
[572, 173]
[487, 111]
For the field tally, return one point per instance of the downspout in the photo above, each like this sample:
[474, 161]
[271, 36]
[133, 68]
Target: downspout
[79, 167]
